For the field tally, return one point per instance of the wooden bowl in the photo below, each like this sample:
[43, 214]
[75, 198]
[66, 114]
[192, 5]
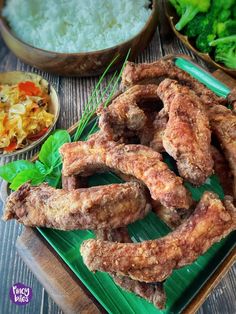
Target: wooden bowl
[15, 77]
[79, 64]
[173, 19]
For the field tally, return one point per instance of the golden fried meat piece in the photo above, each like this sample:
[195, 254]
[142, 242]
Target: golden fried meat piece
[222, 170]
[187, 135]
[100, 207]
[223, 124]
[147, 73]
[153, 293]
[123, 117]
[138, 161]
[154, 260]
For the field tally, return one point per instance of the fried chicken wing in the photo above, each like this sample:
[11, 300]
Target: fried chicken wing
[123, 117]
[187, 134]
[153, 72]
[139, 161]
[154, 260]
[223, 124]
[109, 206]
[153, 293]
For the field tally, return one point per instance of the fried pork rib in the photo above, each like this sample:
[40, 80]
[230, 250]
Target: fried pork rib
[153, 293]
[139, 161]
[223, 124]
[110, 206]
[187, 135]
[151, 72]
[123, 116]
[154, 260]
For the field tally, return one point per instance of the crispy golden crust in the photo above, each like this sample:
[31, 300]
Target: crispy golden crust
[187, 135]
[123, 117]
[110, 206]
[222, 170]
[154, 260]
[153, 72]
[153, 293]
[223, 124]
[138, 161]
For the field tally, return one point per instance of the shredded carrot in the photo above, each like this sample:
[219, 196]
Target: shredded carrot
[29, 88]
[11, 147]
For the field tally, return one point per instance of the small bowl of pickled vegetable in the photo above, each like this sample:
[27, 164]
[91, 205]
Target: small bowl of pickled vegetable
[29, 109]
[208, 28]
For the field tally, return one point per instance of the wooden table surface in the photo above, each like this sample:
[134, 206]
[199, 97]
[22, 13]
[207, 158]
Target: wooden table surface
[73, 93]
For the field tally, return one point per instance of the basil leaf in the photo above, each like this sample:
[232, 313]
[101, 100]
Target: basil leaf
[9, 171]
[32, 175]
[41, 168]
[54, 178]
[49, 154]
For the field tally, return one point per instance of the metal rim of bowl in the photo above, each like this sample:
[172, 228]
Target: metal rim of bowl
[50, 129]
[4, 24]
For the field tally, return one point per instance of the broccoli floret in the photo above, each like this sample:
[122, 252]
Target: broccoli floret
[225, 50]
[188, 9]
[224, 15]
[218, 6]
[202, 42]
[176, 6]
[226, 29]
[197, 26]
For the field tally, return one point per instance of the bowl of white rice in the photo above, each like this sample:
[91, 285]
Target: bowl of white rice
[77, 37]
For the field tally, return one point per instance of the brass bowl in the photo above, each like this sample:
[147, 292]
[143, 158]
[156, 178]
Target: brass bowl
[15, 77]
[79, 64]
[173, 19]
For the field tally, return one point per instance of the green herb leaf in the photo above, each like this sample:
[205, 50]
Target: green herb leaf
[92, 103]
[9, 171]
[41, 168]
[32, 175]
[49, 154]
[54, 177]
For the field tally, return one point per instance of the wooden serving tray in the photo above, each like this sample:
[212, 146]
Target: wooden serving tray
[65, 288]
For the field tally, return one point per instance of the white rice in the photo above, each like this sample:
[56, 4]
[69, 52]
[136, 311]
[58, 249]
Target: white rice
[76, 25]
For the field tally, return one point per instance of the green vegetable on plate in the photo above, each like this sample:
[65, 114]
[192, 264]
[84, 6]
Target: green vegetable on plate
[188, 9]
[225, 50]
[207, 26]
